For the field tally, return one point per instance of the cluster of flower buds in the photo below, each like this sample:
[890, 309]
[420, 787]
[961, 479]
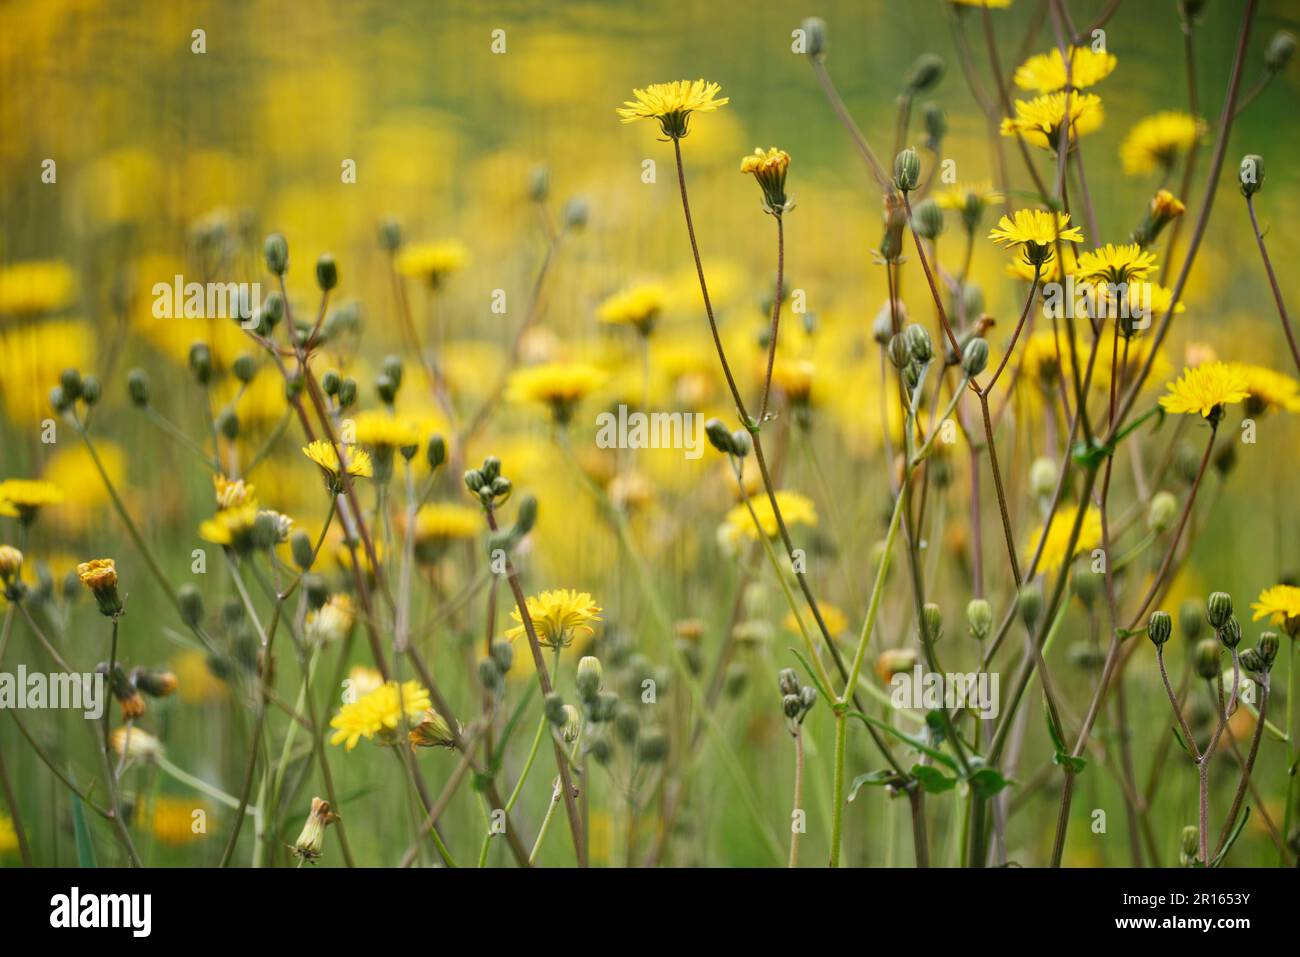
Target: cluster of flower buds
[74, 387]
[796, 699]
[735, 443]
[492, 669]
[1259, 660]
[487, 484]
[911, 351]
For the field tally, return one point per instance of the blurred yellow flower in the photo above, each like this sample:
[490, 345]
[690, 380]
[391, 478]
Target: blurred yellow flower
[434, 261]
[1040, 121]
[637, 306]
[172, 819]
[1045, 72]
[379, 713]
[559, 385]
[1269, 389]
[1157, 140]
[1056, 547]
[8, 836]
[836, 621]
[36, 286]
[231, 526]
[795, 509]
[380, 429]
[28, 496]
[1280, 604]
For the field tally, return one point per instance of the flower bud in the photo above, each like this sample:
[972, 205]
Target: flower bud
[1190, 619]
[330, 382]
[347, 392]
[1230, 632]
[327, 272]
[907, 170]
[70, 383]
[927, 219]
[719, 436]
[936, 126]
[1207, 658]
[1279, 51]
[600, 750]
[918, 343]
[899, 354]
[91, 390]
[1162, 511]
[554, 708]
[311, 841]
[1159, 627]
[741, 443]
[1251, 662]
[489, 675]
[1189, 846]
[787, 681]
[925, 73]
[1218, 609]
[304, 553]
[814, 31]
[1267, 648]
[895, 661]
[190, 600]
[1084, 582]
[1031, 602]
[316, 589]
[1042, 477]
[432, 731]
[228, 424]
[575, 213]
[1251, 174]
[979, 616]
[276, 250]
[808, 696]
[791, 705]
[974, 357]
[589, 677]
[390, 234]
[931, 622]
[503, 653]
[11, 562]
[156, 684]
[627, 724]
[653, 746]
[100, 576]
[137, 386]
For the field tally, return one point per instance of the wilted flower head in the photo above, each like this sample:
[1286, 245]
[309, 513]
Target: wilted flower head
[100, 576]
[311, 841]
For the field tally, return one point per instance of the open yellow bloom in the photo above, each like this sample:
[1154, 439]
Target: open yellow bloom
[672, 104]
[379, 429]
[1036, 232]
[379, 713]
[327, 457]
[1056, 546]
[231, 526]
[26, 497]
[231, 493]
[637, 306]
[1205, 389]
[796, 509]
[1040, 121]
[558, 616]
[1157, 140]
[1269, 389]
[1045, 72]
[560, 385]
[1116, 264]
[1280, 604]
[432, 262]
[438, 524]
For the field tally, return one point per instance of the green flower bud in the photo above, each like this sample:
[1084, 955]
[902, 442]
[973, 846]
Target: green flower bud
[814, 31]
[925, 73]
[276, 250]
[244, 368]
[1207, 658]
[600, 750]
[936, 126]
[1159, 627]
[491, 468]
[791, 705]
[190, 600]
[273, 310]
[201, 363]
[979, 616]
[1190, 619]
[627, 724]
[1189, 846]
[575, 213]
[1218, 609]
[137, 386]
[347, 392]
[228, 424]
[1084, 582]
[474, 481]
[539, 184]
[316, 590]
[555, 709]
[1267, 648]
[385, 388]
[927, 219]
[719, 436]
[931, 622]
[1279, 51]
[327, 272]
[808, 697]
[70, 382]
[899, 353]
[393, 369]
[1251, 174]
[918, 343]
[1230, 632]
[436, 451]
[1251, 662]
[589, 677]
[527, 515]
[1162, 512]
[503, 653]
[59, 400]
[1031, 602]
[907, 170]
[302, 549]
[974, 357]
[653, 746]
[390, 235]
[489, 675]
[330, 382]
[787, 681]
[741, 443]
[91, 390]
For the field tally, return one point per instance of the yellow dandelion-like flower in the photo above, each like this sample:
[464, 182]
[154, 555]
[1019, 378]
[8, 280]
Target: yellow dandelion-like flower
[969, 200]
[195, 682]
[364, 679]
[1156, 141]
[432, 262]
[836, 621]
[1040, 121]
[1280, 604]
[559, 616]
[794, 377]
[1116, 264]
[439, 523]
[1056, 547]
[231, 526]
[637, 306]
[672, 104]
[1205, 389]
[769, 168]
[26, 497]
[36, 286]
[379, 713]
[231, 493]
[1045, 72]
[989, 4]
[559, 385]
[171, 819]
[381, 430]
[327, 457]
[1036, 232]
[796, 509]
[1269, 389]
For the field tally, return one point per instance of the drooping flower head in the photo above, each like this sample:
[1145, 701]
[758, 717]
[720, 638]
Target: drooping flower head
[769, 167]
[1037, 232]
[1042, 122]
[558, 616]
[672, 104]
[1045, 72]
[1206, 389]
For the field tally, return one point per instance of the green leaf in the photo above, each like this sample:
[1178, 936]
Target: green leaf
[933, 781]
[872, 779]
[81, 833]
[1058, 740]
[934, 721]
[1232, 838]
[1178, 736]
[1071, 764]
[903, 736]
[987, 782]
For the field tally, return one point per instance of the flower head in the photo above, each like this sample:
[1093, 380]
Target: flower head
[1045, 72]
[432, 262]
[636, 306]
[1116, 264]
[381, 430]
[1041, 121]
[36, 286]
[559, 385]
[327, 457]
[100, 576]
[769, 167]
[438, 524]
[1156, 141]
[27, 497]
[1269, 389]
[332, 622]
[1037, 232]
[432, 731]
[1056, 546]
[796, 509]
[379, 713]
[232, 527]
[135, 743]
[311, 841]
[231, 493]
[1206, 389]
[1280, 604]
[672, 104]
[969, 200]
[558, 616]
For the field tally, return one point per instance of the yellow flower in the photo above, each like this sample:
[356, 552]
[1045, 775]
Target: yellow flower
[100, 576]
[195, 682]
[365, 679]
[379, 429]
[1157, 140]
[36, 286]
[796, 509]
[560, 385]
[989, 4]
[432, 262]
[27, 497]
[1269, 389]
[8, 836]
[440, 523]
[769, 167]
[333, 621]
[379, 713]
[1057, 542]
[327, 457]
[836, 621]
[1116, 264]
[969, 200]
[672, 104]
[638, 306]
[311, 841]
[794, 377]
[1040, 121]
[1281, 605]
[558, 617]
[1165, 205]
[231, 526]
[1037, 232]
[231, 493]
[1045, 72]
[32, 356]
[171, 819]
[1206, 389]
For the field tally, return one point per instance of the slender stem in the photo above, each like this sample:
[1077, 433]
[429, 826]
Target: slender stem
[1272, 281]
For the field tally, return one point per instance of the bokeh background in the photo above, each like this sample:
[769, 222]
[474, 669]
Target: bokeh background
[170, 161]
